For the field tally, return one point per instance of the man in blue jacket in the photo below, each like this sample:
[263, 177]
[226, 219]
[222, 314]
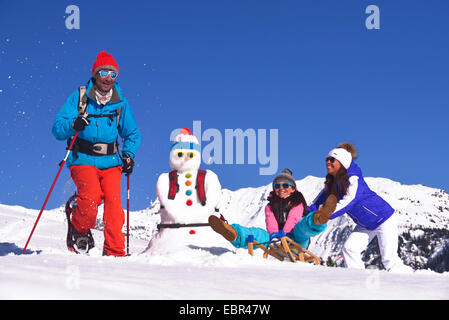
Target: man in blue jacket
[99, 113]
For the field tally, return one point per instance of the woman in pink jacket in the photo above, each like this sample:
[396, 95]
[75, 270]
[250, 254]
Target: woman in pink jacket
[285, 215]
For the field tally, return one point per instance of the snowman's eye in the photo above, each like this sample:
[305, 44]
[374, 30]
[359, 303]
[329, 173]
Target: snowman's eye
[182, 154]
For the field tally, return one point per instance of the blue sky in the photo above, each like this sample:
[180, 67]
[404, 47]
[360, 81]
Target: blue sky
[311, 70]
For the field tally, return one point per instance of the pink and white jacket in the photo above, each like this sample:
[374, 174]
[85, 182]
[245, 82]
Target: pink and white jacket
[295, 214]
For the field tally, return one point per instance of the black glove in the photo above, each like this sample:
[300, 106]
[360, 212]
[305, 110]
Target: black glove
[80, 123]
[128, 164]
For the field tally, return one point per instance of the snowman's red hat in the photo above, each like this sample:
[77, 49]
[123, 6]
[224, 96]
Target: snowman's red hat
[186, 131]
[186, 140]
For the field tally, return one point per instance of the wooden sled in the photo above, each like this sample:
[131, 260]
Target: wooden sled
[284, 248]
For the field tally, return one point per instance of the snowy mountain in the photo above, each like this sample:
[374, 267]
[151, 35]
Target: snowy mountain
[215, 270]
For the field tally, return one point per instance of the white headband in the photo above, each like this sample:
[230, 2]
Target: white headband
[341, 155]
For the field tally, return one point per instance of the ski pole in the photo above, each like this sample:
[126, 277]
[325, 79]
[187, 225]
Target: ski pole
[127, 215]
[333, 263]
[61, 165]
[181, 225]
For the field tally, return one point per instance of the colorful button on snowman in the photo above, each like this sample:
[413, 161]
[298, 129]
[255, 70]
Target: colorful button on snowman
[189, 202]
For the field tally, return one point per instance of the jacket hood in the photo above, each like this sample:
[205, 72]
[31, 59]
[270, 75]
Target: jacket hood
[293, 200]
[354, 170]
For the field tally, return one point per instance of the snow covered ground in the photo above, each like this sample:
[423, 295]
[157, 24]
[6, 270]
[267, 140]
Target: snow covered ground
[214, 272]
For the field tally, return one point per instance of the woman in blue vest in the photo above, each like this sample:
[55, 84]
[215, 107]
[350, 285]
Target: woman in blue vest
[372, 214]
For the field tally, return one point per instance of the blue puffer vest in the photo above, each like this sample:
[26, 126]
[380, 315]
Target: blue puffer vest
[367, 209]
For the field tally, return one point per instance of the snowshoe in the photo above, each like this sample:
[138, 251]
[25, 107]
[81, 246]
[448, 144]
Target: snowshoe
[77, 242]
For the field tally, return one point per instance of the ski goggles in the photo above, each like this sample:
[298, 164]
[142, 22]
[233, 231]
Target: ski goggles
[331, 159]
[181, 154]
[106, 73]
[285, 185]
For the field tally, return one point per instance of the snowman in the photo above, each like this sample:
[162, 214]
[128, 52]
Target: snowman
[187, 196]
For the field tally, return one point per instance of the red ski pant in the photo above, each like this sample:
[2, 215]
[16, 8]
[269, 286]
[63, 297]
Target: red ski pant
[94, 186]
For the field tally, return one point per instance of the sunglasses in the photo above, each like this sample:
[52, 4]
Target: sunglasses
[331, 159]
[105, 73]
[183, 154]
[286, 185]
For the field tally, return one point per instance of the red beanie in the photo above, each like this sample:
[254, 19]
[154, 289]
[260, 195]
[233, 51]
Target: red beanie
[104, 60]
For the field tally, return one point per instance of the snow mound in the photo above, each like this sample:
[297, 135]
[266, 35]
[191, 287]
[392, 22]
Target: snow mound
[216, 270]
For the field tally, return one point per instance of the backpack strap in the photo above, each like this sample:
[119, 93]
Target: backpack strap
[82, 101]
[200, 181]
[119, 111]
[174, 186]
[108, 115]
[82, 105]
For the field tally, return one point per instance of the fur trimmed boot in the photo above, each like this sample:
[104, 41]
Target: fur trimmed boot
[222, 227]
